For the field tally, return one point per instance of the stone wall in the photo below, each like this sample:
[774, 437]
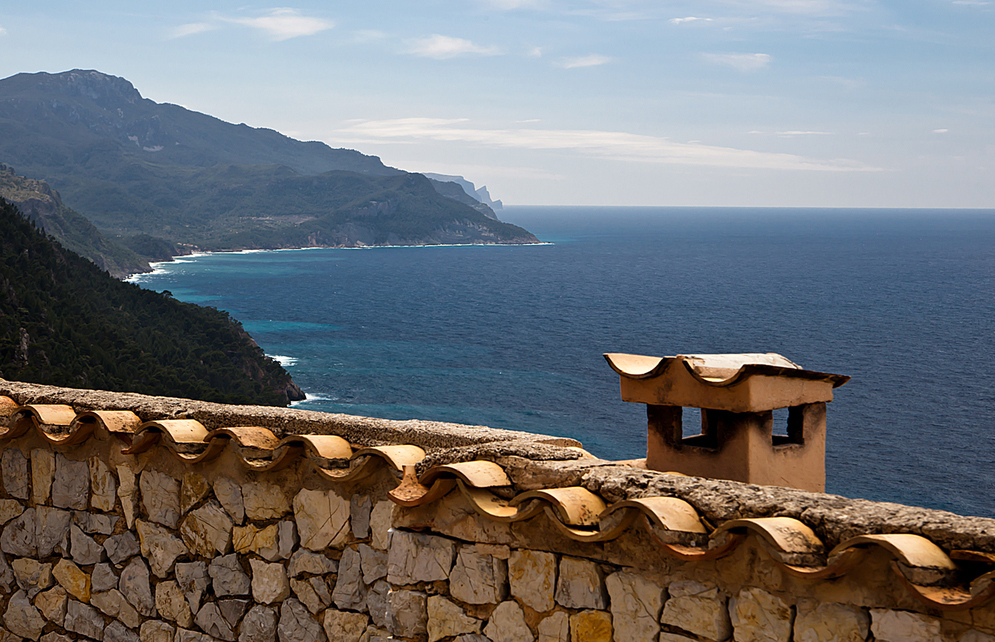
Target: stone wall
[167, 545]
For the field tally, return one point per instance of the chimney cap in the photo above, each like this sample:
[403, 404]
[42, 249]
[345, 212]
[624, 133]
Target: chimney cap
[745, 382]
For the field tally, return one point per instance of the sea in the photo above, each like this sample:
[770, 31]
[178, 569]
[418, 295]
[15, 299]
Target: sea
[902, 301]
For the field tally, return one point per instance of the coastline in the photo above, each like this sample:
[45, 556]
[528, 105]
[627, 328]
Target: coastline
[135, 278]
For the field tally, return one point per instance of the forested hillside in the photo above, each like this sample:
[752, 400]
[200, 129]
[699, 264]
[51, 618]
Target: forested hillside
[65, 322]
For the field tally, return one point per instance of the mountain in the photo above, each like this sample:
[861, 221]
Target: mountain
[480, 195]
[64, 321]
[135, 167]
[36, 200]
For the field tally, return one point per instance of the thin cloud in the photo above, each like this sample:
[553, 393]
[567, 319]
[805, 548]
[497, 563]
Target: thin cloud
[679, 21]
[742, 62]
[3, 32]
[592, 60]
[190, 29]
[283, 24]
[510, 5]
[792, 133]
[972, 3]
[940, 131]
[621, 146]
[819, 8]
[535, 52]
[442, 47]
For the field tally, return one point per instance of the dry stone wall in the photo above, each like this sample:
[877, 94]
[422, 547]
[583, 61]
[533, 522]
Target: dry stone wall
[99, 545]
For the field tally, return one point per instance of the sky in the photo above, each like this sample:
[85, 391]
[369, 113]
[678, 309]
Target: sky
[765, 103]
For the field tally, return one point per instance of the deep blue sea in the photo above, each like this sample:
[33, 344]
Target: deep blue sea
[903, 301]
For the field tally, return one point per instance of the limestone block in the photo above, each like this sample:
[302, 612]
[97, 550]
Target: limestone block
[472, 637]
[446, 619]
[259, 625]
[186, 635]
[297, 625]
[269, 581]
[84, 619]
[192, 489]
[48, 637]
[508, 623]
[831, 623]
[114, 604]
[976, 636]
[127, 492]
[207, 530]
[698, 609]
[31, 575]
[903, 626]
[52, 530]
[103, 486]
[42, 474]
[532, 575]
[478, 578]
[71, 484]
[91, 523]
[118, 632]
[407, 614]
[286, 541]
[252, 539]
[263, 500]
[159, 546]
[381, 523]
[102, 578]
[580, 585]
[14, 469]
[211, 622]
[161, 497]
[9, 509]
[193, 581]
[71, 578]
[229, 494]
[675, 637]
[416, 557]
[172, 604]
[232, 610]
[134, 585]
[322, 519]
[84, 550]
[555, 628]
[52, 604]
[22, 618]
[19, 536]
[228, 577]
[758, 616]
[313, 593]
[374, 563]
[121, 547]
[636, 603]
[375, 634]
[343, 626]
[359, 515]
[350, 592]
[376, 602]
[305, 562]
[591, 626]
[157, 631]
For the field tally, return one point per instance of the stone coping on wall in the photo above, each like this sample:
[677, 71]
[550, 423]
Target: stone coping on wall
[945, 560]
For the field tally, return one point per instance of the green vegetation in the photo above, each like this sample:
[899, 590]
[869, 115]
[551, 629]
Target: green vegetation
[65, 322]
[136, 167]
[36, 200]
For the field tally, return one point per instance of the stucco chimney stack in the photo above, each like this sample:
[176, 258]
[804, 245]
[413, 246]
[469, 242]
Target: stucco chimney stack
[737, 395]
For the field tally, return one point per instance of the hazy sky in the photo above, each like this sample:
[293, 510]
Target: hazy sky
[599, 102]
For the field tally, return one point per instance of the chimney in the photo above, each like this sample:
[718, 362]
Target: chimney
[737, 394]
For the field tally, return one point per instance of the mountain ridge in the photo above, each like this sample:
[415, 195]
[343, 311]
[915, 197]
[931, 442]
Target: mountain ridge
[136, 167]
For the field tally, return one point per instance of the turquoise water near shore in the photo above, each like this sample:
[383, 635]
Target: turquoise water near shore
[512, 337]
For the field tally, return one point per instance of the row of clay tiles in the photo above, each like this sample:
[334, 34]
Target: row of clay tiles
[932, 575]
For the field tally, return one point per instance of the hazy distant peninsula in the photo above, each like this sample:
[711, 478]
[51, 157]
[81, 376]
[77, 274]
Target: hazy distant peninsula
[157, 176]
